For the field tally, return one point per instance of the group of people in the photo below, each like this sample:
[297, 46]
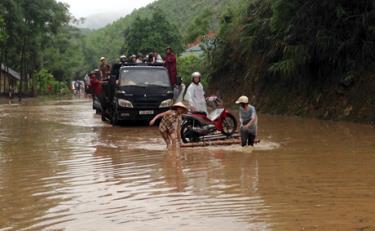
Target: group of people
[169, 126]
[96, 78]
[169, 61]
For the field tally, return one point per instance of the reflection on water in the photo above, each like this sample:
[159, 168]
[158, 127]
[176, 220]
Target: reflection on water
[61, 168]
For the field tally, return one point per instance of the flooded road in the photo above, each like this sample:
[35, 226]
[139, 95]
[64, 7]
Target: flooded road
[62, 168]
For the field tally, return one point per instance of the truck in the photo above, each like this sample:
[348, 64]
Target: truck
[139, 92]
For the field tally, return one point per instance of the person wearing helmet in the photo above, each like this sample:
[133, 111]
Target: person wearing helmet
[248, 121]
[123, 60]
[133, 59]
[195, 94]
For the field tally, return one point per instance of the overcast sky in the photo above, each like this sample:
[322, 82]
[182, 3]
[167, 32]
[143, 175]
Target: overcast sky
[83, 8]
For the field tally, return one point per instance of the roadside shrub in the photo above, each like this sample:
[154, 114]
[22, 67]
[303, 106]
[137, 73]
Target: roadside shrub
[45, 84]
[186, 65]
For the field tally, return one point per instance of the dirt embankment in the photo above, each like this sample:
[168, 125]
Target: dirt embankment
[351, 100]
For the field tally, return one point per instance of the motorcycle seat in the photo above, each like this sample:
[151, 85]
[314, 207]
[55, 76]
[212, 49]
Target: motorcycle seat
[199, 112]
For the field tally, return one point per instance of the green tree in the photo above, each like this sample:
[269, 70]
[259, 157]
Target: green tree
[201, 25]
[2, 31]
[153, 33]
[31, 27]
[186, 65]
[45, 83]
[299, 41]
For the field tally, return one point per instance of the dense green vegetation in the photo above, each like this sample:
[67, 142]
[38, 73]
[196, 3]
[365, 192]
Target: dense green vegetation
[145, 36]
[184, 18]
[2, 32]
[291, 55]
[44, 83]
[311, 38]
[293, 50]
[35, 35]
[188, 64]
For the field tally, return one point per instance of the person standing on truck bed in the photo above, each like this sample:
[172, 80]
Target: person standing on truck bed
[170, 64]
[104, 68]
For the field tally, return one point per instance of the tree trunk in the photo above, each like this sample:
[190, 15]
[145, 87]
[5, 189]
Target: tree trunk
[20, 92]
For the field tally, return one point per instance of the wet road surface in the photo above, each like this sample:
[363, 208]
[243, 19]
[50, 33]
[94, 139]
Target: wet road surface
[62, 168]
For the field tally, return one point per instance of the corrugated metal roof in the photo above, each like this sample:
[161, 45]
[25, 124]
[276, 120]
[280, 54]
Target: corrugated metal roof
[10, 71]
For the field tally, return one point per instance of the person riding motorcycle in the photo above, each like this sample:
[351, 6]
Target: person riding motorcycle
[195, 94]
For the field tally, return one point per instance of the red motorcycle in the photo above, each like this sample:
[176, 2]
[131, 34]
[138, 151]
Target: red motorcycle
[196, 125]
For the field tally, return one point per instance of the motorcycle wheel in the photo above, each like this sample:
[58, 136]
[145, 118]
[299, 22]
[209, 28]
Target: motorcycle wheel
[185, 136]
[229, 125]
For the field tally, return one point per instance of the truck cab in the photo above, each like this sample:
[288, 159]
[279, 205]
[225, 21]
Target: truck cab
[141, 92]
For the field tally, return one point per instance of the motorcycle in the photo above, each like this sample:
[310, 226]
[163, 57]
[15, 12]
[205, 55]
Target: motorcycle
[196, 125]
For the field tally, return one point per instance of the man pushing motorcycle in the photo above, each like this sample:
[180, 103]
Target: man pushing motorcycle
[248, 121]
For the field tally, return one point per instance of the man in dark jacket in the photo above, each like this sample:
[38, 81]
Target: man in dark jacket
[170, 64]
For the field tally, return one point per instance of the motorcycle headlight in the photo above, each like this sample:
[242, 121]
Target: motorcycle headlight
[125, 103]
[166, 103]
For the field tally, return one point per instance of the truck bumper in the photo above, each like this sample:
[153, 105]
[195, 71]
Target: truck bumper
[138, 114]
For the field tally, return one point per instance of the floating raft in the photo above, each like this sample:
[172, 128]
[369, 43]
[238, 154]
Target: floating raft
[211, 143]
[215, 140]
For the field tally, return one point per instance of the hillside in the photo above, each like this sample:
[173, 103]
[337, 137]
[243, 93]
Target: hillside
[310, 58]
[108, 41]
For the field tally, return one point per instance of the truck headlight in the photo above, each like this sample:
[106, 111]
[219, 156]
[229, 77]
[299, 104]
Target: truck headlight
[166, 103]
[120, 92]
[125, 103]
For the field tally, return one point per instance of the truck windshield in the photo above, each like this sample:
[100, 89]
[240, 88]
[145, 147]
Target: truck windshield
[143, 77]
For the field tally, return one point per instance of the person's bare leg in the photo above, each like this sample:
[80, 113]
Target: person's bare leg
[173, 138]
[166, 138]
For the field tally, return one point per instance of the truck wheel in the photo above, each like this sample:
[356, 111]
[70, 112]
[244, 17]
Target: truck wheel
[114, 118]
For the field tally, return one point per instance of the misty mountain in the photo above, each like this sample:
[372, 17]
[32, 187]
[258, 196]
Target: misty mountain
[97, 21]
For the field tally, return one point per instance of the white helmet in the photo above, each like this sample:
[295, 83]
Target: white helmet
[196, 74]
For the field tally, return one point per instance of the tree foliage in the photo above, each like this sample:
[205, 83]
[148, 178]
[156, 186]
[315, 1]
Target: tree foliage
[299, 41]
[2, 31]
[153, 33]
[31, 28]
[45, 83]
[201, 24]
[186, 65]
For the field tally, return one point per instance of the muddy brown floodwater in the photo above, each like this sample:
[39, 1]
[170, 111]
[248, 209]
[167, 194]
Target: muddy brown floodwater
[62, 168]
